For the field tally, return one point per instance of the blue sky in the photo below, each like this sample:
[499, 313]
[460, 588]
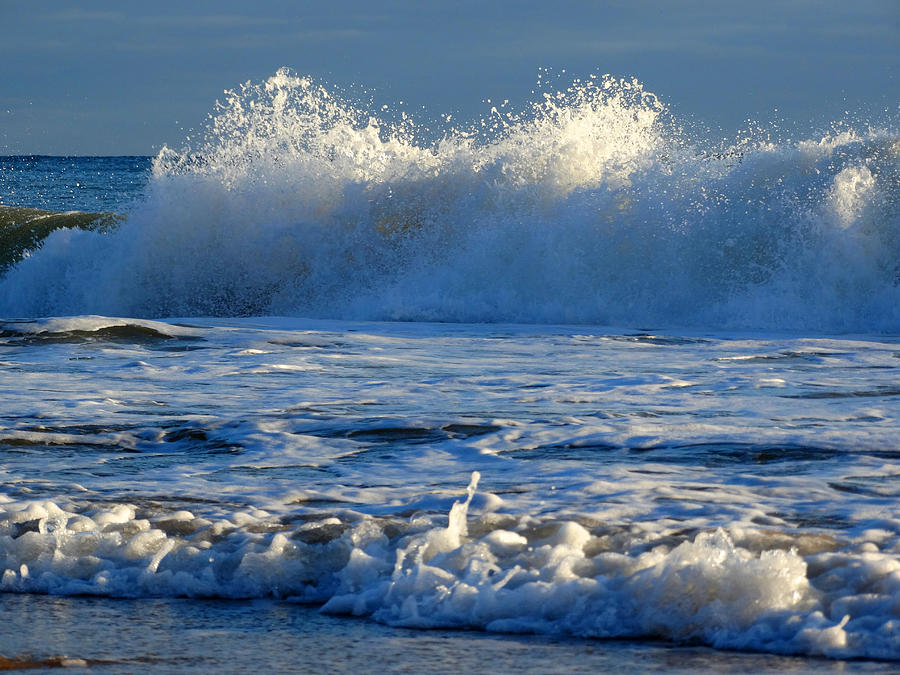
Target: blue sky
[126, 77]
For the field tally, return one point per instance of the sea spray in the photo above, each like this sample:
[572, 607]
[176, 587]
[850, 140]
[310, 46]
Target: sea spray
[590, 206]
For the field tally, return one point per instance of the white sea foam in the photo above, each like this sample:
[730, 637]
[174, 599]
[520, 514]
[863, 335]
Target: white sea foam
[492, 572]
[589, 207]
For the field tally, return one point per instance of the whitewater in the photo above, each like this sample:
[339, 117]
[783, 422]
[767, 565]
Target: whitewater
[567, 370]
[590, 207]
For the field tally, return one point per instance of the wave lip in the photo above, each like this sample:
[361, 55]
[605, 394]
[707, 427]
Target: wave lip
[23, 230]
[91, 328]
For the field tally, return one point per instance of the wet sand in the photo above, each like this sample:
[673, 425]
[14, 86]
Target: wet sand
[153, 635]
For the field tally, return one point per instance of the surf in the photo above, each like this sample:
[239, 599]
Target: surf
[506, 576]
[22, 230]
[592, 205]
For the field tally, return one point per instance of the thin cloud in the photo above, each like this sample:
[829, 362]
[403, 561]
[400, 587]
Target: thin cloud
[212, 21]
[191, 21]
[69, 15]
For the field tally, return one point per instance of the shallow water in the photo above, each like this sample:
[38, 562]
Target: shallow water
[732, 490]
[150, 635]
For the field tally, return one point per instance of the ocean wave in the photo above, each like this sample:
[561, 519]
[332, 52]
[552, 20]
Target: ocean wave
[591, 206]
[22, 230]
[744, 589]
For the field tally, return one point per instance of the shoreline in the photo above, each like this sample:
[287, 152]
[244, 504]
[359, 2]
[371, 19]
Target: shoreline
[145, 635]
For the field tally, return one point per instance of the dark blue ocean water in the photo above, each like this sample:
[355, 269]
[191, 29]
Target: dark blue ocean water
[72, 183]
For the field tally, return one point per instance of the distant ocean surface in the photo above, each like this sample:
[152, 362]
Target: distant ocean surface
[564, 373]
[92, 184]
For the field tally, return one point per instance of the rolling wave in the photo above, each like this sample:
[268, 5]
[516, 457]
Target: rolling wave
[23, 230]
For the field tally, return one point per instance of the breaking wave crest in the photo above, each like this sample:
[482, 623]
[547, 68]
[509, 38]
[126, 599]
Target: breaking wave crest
[591, 206]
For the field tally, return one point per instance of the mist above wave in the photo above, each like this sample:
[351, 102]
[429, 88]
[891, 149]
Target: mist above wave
[590, 206]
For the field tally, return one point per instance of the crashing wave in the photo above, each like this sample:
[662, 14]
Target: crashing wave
[591, 206]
